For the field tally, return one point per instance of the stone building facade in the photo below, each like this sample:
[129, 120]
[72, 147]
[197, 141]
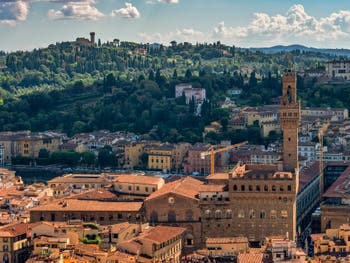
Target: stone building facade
[258, 200]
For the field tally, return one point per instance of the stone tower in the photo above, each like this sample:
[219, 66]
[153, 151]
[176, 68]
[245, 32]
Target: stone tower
[289, 119]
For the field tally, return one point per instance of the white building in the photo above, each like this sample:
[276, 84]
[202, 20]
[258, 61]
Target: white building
[308, 150]
[198, 94]
[338, 69]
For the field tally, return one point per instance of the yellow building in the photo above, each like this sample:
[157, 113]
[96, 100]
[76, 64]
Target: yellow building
[333, 241]
[161, 158]
[28, 144]
[132, 153]
[137, 184]
[160, 243]
[48, 244]
[13, 243]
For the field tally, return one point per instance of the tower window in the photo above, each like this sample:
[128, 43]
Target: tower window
[289, 139]
[235, 188]
[243, 187]
[262, 215]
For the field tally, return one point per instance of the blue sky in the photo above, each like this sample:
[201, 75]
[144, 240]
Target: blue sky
[28, 24]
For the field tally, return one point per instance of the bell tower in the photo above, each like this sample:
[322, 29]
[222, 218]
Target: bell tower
[289, 119]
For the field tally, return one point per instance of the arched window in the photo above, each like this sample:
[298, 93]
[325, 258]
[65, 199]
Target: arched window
[273, 214]
[251, 213]
[171, 217]
[250, 188]
[229, 214]
[258, 188]
[289, 188]
[218, 214]
[189, 215]
[284, 214]
[281, 188]
[242, 187]
[189, 240]
[241, 213]
[207, 214]
[234, 187]
[262, 215]
[154, 217]
[266, 188]
[273, 188]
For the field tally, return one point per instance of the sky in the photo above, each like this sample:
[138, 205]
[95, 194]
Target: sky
[29, 24]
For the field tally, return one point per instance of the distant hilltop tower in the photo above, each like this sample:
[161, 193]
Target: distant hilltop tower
[92, 38]
[289, 119]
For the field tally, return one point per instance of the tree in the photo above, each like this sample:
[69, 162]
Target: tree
[144, 159]
[88, 158]
[188, 74]
[43, 153]
[174, 74]
[252, 80]
[110, 80]
[151, 75]
[106, 157]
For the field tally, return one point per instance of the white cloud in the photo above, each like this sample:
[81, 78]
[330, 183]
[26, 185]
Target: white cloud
[295, 26]
[169, 1]
[13, 11]
[79, 10]
[129, 11]
[181, 35]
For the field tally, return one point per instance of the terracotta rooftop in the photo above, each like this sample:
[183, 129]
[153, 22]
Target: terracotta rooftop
[14, 230]
[341, 187]
[187, 186]
[218, 176]
[307, 174]
[79, 178]
[96, 194]
[250, 258]
[227, 240]
[138, 179]
[160, 234]
[212, 188]
[88, 205]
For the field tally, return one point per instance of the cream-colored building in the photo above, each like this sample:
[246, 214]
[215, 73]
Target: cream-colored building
[161, 158]
[42, 244]
[78, 182]
[132, 154]
[137, 184]
[333, 241]
[338, 69]
[14, 245]
[28, 144]
[160, 243]
[218, 247]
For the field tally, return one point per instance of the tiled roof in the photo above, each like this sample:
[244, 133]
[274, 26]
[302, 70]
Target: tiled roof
[14, 230]
[138, 179]
[88, 205]
[212, 188]
[218, 176]
[187, 186]
[160, 234]
[79, 178]
[227, 240]
[96, 194]
[307, 173]
[250, 258]
[340, 188]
